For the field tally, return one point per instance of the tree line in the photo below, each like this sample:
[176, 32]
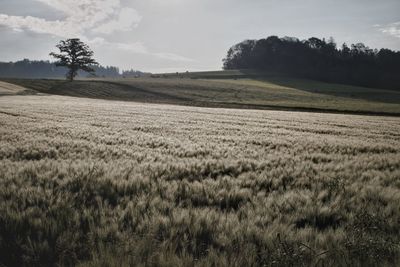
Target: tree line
[323, 60]
[45, 69]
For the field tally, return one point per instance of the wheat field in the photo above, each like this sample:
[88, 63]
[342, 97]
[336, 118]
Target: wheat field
[87, 182]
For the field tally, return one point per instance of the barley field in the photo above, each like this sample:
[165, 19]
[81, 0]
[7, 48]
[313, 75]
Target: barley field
[88, 182]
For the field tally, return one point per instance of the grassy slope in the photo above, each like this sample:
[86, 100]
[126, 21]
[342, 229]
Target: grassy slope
[104, 183]
[12, 89]
[230, 89]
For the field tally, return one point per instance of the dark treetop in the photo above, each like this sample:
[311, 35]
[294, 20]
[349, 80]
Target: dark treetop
[75, 55]
[318, 59]
[44, 69]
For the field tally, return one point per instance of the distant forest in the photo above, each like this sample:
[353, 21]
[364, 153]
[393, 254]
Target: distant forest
[44, 69]
[318, 59]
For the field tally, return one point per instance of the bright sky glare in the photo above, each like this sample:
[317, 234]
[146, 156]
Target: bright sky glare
[180, 35]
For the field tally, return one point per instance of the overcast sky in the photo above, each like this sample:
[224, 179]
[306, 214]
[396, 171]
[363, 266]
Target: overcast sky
[179, 35]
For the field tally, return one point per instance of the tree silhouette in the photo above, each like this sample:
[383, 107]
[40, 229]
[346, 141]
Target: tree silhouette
[318, 59]
[44, 69]
[75, 55]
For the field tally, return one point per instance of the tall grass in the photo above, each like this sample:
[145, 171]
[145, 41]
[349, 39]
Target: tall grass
[100, 183]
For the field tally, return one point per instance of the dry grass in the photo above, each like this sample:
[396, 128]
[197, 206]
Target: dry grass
[105, 183]
[263, 92]
[12, 89]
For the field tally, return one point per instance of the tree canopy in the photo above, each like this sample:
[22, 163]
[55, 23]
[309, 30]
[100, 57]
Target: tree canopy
[318, 59]
[74, 55]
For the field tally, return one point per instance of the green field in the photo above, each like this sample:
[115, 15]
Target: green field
[230, 89]
[88, 182]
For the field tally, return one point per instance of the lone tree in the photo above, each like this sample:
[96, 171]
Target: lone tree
[75, 55]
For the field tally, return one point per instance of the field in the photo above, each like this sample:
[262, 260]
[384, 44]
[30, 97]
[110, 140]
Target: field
[8, 89]
[93, 182]
[230, 89]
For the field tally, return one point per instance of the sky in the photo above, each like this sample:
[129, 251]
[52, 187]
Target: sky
[180, 35]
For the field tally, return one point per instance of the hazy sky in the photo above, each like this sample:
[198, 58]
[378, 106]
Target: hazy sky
[179, 35]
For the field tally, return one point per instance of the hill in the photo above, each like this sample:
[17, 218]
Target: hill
[238, 89]
[12, 89]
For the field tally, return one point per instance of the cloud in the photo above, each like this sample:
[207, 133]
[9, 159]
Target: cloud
[128, 18]
[137, 48]
[81, 17]
[87, 19]
[38, 25]
[392, 29]
[173, 57]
